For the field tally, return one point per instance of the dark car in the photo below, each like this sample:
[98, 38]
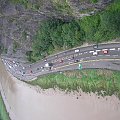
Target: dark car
[38, 68]
[76, 61]
[23, 72]
[61, 61]
[31, 71]
[95, 46]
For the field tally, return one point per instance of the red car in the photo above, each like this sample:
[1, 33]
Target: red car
[105, 51]
[61, 61]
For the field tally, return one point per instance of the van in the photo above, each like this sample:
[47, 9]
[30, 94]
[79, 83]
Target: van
[77, 50]
[95, 53]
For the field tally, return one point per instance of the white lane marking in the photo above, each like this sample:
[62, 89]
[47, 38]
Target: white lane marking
[75, 55]
[85, 52]
[91, 51]
[115, 55]
[107, 55]
[80, 53]
[112, 49]
[81, 59]
[98, 50]
[100, 55]
[104, 49]
[118, 48]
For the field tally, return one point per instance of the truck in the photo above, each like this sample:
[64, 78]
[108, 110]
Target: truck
[48, 65]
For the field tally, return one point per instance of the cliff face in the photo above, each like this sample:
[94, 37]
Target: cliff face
[19, 19]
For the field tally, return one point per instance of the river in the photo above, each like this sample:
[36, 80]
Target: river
[26, 102]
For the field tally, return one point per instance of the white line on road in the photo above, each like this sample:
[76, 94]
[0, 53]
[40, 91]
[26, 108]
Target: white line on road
[104, 49]
[98, 50]
[93, 56]
[81, 59]
[85, 52]
[107, 55]
[115, 55]
[100, 55]
[112, 49]
[80, 53]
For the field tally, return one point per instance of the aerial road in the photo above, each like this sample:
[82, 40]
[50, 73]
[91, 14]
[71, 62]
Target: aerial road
[105, 56]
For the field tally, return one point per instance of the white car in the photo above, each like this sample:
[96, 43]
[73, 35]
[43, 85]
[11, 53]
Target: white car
[10, 66]
[23, 67]
[95, 53]
[77, 50]
[15, 65]
[14, 62]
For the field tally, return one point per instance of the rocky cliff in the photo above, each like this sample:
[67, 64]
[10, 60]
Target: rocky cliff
[19, 19]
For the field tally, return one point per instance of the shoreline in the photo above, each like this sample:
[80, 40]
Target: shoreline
[29, 102]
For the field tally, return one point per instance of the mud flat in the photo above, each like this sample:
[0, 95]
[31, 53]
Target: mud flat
[26, 102]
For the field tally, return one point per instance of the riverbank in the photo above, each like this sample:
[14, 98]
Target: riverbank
[27, 102]
[102, 82]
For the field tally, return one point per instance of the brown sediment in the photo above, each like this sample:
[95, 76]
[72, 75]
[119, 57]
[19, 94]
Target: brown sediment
[28, 102]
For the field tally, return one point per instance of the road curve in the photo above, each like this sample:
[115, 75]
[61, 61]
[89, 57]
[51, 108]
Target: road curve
[105, 56]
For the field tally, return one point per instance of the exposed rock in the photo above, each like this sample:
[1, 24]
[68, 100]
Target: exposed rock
[18, 23]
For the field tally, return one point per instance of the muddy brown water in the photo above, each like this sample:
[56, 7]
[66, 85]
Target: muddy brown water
[25, 102]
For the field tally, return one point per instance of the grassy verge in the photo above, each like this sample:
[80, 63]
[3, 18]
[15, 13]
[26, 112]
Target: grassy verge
[3, 113]
[104, 82]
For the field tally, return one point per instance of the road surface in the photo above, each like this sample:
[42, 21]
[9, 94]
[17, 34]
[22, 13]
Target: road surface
[105, 56]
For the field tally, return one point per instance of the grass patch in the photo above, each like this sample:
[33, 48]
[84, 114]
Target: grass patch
[3, 113]
[104, 82]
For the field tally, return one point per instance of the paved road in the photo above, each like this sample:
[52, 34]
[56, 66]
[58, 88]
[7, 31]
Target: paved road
[86, 57]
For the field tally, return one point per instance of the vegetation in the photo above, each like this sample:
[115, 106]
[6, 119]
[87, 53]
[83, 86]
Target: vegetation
[55, 35]
[3, 113]
[27, 4]
[1, 48]
[63, 6]
[94, 1]
[15, 46]
[103, 82]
